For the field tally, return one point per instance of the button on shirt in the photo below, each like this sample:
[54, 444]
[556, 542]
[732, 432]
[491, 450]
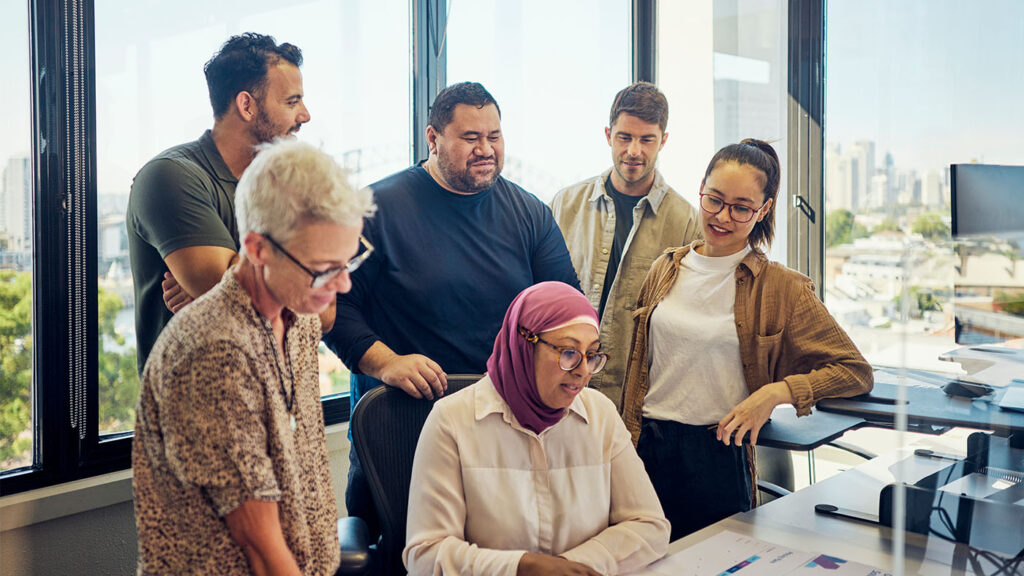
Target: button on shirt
[485, 490]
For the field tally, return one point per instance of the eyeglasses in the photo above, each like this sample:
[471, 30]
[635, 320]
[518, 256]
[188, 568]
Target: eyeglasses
[739, 212]
[569, 358]
[322, 278]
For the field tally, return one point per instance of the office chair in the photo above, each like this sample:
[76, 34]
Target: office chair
[386, 425]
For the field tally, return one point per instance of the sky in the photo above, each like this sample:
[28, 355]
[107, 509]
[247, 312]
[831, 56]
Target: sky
[932, 81]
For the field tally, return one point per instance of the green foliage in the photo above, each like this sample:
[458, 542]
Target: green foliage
[931, 227]
[840, 228]
[15, 365]
[118, 381]
[888, 225]
[921, 300]
[1011, 302]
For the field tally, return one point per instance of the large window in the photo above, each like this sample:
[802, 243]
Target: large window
[15, 241]
[554, 81]
[728, 57]
[913, 87]
[93, 90]
[151, 95]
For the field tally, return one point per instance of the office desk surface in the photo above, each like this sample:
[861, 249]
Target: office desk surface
[928, 406]
[788, 432]
[792, 521]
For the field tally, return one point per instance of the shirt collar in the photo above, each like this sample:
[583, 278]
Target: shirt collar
[654, 198]
[239, 296]
[753, 261]
[213, 156]
[488, 401]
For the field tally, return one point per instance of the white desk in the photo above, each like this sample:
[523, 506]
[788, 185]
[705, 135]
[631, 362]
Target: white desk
[792, 521]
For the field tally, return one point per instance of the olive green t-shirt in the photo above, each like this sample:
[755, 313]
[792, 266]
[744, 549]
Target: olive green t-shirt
[183, 197]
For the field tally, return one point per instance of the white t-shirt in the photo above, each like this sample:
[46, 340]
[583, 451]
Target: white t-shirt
[696, 373]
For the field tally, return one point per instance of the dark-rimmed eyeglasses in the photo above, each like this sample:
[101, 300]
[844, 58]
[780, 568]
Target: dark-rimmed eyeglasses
[319, 279]
[569, 358]
[738, 212]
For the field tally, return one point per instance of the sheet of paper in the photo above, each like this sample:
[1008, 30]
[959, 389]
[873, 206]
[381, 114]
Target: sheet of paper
[731, 554]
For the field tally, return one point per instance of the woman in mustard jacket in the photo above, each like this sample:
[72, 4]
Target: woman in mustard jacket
[721, 337]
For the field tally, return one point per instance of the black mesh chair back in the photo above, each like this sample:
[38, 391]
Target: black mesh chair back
[386, 425]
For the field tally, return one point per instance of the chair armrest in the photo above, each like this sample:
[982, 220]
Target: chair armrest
[772, 489]
[354, 537]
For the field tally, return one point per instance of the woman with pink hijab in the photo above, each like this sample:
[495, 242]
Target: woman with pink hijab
[528, 471]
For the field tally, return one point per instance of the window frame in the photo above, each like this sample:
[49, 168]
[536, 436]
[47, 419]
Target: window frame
[64, 280]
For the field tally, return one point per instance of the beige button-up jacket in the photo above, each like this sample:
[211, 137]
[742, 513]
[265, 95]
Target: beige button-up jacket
[786, 335]
[586, 215]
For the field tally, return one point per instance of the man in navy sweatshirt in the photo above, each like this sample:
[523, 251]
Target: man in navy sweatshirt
[454, 242]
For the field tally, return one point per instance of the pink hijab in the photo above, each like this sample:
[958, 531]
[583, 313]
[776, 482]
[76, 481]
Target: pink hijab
[539, 308]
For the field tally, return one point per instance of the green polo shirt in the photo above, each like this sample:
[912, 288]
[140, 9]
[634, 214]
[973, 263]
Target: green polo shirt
[183, 197]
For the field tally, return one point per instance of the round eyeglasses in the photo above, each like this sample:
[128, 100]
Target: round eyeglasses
[738, 212]
[319, 279]
[569, 358]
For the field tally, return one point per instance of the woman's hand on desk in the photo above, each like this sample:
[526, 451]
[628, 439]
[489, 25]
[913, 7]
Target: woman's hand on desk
[751, 414]
[543, 565]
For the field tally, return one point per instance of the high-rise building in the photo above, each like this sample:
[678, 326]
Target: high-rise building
[878, 196]
[932, 190]
[863, 151]
[838, 179]
[16, 204]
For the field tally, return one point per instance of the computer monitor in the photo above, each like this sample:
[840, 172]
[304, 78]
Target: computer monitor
[988, 200]
[988, 230]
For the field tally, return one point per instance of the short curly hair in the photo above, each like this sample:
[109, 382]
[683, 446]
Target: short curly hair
[470, 93]
[241, 65]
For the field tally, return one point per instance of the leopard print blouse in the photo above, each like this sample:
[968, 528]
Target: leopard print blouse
[213, 430]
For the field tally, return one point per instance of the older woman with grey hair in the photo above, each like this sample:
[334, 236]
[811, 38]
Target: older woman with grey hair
[230, 459]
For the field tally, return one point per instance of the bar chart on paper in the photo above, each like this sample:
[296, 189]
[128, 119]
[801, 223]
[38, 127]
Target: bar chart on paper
[731, 554]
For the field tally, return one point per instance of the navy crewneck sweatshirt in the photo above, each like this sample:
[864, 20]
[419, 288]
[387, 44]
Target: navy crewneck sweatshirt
[444, 270]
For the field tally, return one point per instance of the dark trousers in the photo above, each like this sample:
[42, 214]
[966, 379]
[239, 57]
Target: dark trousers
[698, 479]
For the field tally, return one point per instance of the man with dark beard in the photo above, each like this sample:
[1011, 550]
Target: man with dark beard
[182, 233]
[455, 243]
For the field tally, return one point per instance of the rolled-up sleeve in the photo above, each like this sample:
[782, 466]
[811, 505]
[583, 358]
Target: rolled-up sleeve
[212, 422]
[829, 363]
[638, 532]
[435, 529]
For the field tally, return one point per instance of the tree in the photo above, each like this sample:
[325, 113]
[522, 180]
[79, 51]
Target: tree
[930, 226]
[921, 300]
[841, 228]
[118, 381]
[118, 376]
[1011, 302]
[889, 224]
[15, 366]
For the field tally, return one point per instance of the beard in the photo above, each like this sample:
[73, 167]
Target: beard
[461, 177]
[263, 130]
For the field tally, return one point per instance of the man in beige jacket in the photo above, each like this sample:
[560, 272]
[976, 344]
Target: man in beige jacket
[617, 223]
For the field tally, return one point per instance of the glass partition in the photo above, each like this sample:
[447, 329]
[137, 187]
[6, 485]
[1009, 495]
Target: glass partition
[922, 118]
